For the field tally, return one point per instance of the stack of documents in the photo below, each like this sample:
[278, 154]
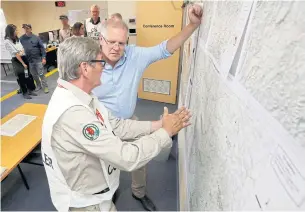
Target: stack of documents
[16, 124]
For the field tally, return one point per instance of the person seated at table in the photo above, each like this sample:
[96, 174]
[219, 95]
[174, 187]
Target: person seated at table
[19, 62]
[78, 29]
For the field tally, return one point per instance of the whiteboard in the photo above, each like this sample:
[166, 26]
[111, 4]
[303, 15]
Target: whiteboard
[77, 16]
[5, 55]
[81, 15]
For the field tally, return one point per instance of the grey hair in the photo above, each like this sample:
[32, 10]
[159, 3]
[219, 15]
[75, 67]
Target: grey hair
[94, 6]
[72, 52]
[114, 24]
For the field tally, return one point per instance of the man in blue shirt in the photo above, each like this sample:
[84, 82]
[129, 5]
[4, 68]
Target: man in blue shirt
[122, 73]
[36, 55]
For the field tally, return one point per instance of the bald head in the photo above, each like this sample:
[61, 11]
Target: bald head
[116, 16]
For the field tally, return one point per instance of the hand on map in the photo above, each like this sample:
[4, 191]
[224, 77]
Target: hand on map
[176, 121]
[195, 14]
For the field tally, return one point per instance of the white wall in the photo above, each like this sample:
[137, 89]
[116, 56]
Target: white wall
[247, 142]
[126, 8]
[5, 55]
[43, 15]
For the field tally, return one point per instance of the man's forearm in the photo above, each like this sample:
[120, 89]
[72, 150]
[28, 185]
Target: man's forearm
[20, 59]
[176, 42]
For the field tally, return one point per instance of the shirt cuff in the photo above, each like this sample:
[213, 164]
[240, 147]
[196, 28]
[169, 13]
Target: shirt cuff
[146, 126]
[164, 49]
[165, 140]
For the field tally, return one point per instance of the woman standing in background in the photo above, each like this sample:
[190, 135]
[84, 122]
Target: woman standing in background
[78, 29]
[19, 61]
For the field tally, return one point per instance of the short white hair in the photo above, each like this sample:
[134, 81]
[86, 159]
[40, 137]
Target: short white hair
[114, 24]
[72, 52]
[94, 6]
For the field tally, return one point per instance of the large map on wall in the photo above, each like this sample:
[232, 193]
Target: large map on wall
[274, 62]
[226, 29]
[245, 149]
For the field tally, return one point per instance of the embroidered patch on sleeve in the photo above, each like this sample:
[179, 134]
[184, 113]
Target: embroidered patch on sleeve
[91, 132]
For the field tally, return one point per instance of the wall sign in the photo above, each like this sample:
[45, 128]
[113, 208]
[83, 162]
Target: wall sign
[60, 4]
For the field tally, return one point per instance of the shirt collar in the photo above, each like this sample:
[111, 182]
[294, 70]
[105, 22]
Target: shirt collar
[28, 35]
[80, 94]
[98, 21]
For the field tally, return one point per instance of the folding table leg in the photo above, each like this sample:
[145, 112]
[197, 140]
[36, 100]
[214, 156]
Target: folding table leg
[3, 66]
[23, 178]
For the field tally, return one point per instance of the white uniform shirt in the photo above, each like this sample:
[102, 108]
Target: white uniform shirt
[88, 155]
[93, 30]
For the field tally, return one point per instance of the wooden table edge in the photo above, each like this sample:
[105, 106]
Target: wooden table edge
[8, 171]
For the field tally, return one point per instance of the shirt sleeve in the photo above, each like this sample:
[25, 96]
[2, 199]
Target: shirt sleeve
[60, 37]
[9, 46]
[94, 138]
[127, 129]
[152, 54]
[42, 49]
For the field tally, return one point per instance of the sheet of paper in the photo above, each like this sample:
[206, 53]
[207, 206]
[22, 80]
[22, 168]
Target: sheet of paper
[225, 33]
[16, 124]
[289, 176]
[2, 170]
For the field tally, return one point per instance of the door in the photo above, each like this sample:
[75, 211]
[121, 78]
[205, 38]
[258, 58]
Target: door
[159, 81]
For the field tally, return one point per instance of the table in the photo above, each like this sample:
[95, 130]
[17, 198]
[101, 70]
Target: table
[15, 149]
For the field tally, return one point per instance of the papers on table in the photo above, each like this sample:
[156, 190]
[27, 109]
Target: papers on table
[16, 124]
[2, 170]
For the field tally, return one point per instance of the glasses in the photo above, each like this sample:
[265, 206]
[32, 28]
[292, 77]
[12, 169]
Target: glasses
[99, 61]
[111, 44]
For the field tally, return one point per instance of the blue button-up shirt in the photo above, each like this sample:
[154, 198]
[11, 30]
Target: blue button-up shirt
[118, 91]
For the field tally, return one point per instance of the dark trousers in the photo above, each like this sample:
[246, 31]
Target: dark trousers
[26, 84]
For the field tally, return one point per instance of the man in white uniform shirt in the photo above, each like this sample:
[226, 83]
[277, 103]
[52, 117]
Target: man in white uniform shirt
[83, 146]
[66, 30]
[94, 25]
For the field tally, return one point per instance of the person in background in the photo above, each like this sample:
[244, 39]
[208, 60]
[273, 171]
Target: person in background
[122, 74]
[19, 62]
[116, 17]
[94, 25]
[66, 30]
[78, 29]
[36, 55]
[83, 145]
